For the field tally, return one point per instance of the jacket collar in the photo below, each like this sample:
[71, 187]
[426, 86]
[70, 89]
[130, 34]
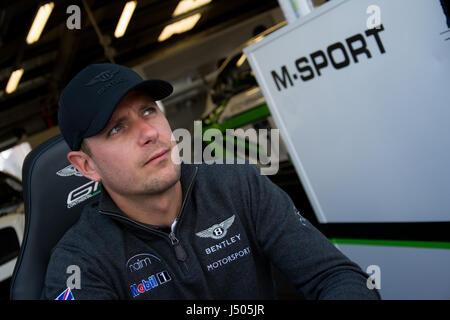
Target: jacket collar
[187, 178]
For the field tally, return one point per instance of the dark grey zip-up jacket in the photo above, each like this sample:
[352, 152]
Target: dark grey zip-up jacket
[233, 223]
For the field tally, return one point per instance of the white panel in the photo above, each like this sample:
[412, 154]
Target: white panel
[370, 141]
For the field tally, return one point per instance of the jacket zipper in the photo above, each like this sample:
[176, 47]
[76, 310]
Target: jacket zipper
[180, 253]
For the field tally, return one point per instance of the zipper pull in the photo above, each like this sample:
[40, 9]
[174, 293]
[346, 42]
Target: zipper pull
[179, 251]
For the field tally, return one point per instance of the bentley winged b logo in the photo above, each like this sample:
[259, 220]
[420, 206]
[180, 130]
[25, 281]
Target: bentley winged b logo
[102, 77]
[70, 170]
[217, 231]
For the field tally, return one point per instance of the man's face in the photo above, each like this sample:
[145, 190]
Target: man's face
[123, 154]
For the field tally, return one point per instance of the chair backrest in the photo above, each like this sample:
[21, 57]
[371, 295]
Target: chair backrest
[54, 195]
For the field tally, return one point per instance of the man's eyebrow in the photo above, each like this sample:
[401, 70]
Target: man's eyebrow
[112, 122]
[115, 120]
[145, 105]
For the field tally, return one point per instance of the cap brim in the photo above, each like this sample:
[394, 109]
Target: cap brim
[156, 89]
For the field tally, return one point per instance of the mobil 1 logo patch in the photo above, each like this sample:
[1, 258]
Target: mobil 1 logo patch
[217, 231]
[148, 274]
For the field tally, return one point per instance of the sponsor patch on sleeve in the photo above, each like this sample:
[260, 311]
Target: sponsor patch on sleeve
[65, 295]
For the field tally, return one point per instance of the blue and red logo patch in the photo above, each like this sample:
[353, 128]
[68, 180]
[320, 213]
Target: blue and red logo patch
[65, 295]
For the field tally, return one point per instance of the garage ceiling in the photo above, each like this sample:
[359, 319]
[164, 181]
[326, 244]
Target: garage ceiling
[60, 53]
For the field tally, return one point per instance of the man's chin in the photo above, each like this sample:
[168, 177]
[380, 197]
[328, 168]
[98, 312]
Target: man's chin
[163, 183]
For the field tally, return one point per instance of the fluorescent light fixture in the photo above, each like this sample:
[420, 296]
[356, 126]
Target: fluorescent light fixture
[241, 60]
[14, 80]
[125, 18]
[181, 26]
[188, 5]
[258, 38]
[39, 22]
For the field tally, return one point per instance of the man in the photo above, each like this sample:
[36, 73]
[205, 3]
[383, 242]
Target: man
[163, 230]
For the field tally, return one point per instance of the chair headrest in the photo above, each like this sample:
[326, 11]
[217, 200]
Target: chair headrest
[54, 196]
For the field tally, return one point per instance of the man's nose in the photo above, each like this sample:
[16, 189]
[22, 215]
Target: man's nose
[146, 132]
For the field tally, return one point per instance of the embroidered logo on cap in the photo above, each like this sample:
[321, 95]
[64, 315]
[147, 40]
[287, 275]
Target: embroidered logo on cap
[102, 77]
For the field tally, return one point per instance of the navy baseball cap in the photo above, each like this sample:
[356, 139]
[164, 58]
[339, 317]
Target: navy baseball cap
[90, 98]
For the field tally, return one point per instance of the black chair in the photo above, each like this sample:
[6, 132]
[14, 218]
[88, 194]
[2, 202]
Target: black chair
[54, 195]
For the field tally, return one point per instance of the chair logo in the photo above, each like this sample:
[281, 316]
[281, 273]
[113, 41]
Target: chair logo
[217, 231]
[83, 193]
[68, 171]
[80, 193]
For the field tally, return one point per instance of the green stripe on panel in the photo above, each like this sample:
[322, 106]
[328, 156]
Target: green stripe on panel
[393, 243]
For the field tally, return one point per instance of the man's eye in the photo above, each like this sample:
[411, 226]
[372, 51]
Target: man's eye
[115, 130]
[149, 111]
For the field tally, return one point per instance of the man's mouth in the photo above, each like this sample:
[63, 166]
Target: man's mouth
[160, 155]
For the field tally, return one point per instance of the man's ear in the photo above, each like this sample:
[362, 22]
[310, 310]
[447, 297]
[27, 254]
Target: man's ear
[84, 164]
